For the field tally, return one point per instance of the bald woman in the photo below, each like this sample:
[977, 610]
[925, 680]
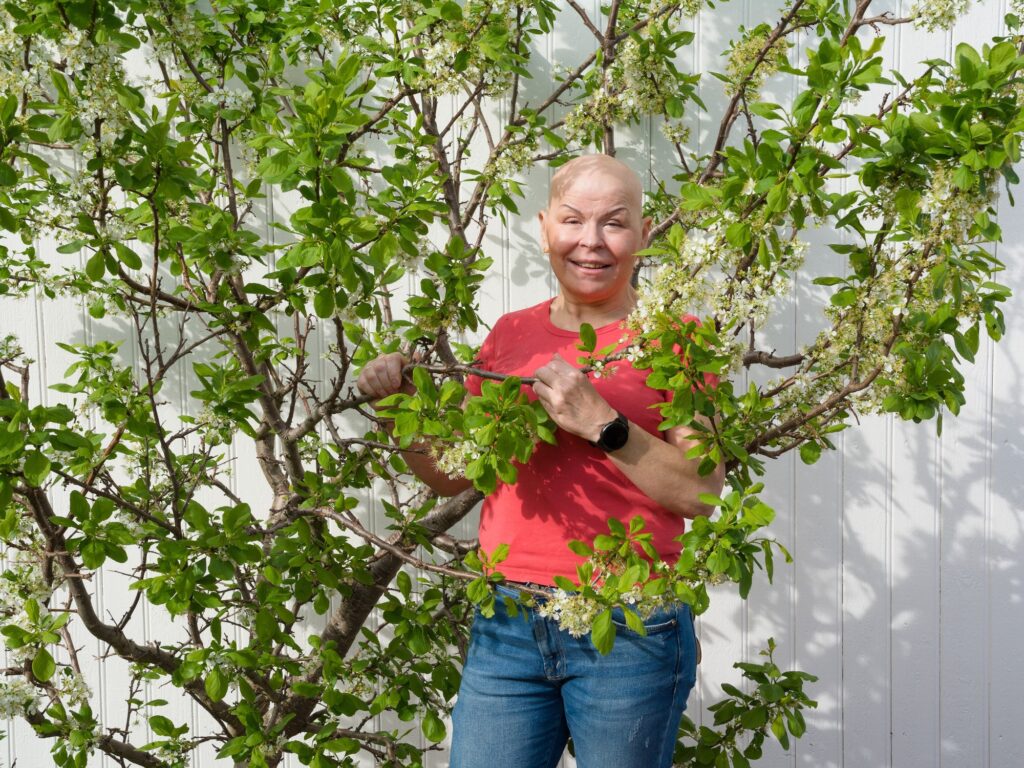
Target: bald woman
[529, 685]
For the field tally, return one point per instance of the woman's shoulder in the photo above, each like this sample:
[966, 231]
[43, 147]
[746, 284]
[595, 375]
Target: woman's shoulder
[523, 320]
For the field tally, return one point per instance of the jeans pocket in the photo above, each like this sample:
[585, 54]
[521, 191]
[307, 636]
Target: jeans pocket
[661, 620]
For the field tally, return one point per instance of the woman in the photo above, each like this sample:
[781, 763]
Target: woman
[527, 685]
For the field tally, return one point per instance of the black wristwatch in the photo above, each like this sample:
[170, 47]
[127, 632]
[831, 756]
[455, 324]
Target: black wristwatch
[613, 435]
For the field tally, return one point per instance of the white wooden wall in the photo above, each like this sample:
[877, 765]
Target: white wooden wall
[907, 594]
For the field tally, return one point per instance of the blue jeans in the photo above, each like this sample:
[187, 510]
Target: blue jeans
[527, 686]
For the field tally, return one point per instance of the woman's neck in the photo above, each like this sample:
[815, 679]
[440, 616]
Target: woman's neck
[570, 315]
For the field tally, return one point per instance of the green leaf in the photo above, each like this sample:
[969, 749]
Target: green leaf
[404, 583]
[433, 728]
[779, 730]
[844, 297]
[64, 127]
[1002, 55]
[603, 633]
[162, 726]
[634, 622]
[278, 167]
[8, 176]
[426, 387]
[719, 561]
[216, 684]
[588, 338]
[908, 203]
[696, 197]
[967, 62]
[37, 468]
[94, 266]
[323, 302]
[754, 718]
[499, 555]
[93, 553]
[266, 625]
[43, 665]
[810, 452]
[758, 514]
[127, 256]
[964, 178]
[579, 548]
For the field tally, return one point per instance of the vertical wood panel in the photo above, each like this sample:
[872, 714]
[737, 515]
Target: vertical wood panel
[1005, 566]
[865, 595]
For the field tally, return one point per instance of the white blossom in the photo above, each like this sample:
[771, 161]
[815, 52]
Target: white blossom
[73, 689]
[744, 55]
[18, 697]
[454, 458]
[573, 612]
[932, 15]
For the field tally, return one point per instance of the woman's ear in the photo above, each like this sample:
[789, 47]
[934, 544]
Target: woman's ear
[646, 239]
[543, 231]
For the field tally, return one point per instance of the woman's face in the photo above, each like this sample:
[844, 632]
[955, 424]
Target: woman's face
[591, 233]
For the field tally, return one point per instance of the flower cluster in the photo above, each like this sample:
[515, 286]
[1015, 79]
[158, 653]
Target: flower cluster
[453, 458]
[18, 697]
[861, 333]
[637, 84]
[706, 278]
[15, 76]
[74, 691]
[744, 66]
[932, 15]
[454, 41]
[687, 8]
[603, 107]
[216, 428]
[223, 99]
[98, 70]
[24, 579]
[10, 349]
[511, 158]
[675, 131]
[645, 80]
[179, 32]
[952, 209]
[76, 194]
[574, 612]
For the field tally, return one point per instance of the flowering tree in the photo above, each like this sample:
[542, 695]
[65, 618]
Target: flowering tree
[147, 139]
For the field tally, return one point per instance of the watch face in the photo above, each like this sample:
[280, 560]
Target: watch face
[614, 434]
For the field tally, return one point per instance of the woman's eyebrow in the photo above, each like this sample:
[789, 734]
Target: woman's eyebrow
[613, 212]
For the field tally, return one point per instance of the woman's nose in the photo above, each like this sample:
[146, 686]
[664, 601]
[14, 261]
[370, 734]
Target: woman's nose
[591, 236]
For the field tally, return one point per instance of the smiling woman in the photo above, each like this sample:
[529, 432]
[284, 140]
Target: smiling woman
[611, 461]
[591, 232]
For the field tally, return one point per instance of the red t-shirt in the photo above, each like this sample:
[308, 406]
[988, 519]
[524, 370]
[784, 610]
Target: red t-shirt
[569, 490]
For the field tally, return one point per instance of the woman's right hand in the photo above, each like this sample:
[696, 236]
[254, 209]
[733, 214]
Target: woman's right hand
[382, 376]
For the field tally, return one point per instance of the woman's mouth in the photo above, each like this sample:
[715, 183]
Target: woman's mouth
[594, 266]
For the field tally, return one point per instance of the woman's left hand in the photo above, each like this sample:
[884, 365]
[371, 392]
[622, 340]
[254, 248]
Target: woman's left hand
[570, 399]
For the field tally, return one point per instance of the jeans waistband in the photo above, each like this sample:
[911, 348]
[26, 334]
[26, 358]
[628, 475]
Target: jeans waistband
[531, 588]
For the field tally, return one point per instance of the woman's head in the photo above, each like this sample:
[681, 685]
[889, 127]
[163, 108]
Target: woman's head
[592, 229]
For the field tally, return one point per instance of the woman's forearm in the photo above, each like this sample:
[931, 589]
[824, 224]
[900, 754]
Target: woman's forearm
[661, 470]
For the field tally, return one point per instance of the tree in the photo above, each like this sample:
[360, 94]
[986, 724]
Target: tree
[148, 138]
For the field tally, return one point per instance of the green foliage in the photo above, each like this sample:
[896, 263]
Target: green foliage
[239, 194]
[742, 721]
